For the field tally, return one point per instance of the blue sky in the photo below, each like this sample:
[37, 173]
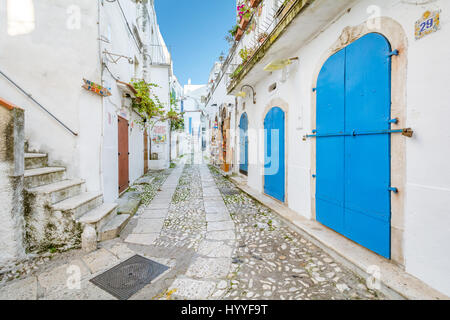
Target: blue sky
[195, 31]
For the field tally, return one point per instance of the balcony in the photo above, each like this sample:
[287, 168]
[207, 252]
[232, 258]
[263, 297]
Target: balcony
[270, 21]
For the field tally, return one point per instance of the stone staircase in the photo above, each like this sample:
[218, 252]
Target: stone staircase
[57, 209]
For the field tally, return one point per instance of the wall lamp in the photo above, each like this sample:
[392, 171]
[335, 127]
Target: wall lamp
[243, 94]
[279, 64]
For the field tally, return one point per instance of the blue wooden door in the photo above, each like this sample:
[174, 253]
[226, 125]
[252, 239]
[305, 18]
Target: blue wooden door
[274, 154]
[353, 163]
[243, 146]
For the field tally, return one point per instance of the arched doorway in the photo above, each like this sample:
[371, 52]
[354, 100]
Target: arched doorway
[243, 144]
[274, 154]
[353, 159]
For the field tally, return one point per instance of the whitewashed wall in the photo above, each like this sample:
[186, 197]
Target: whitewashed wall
[49, 61]
[427, 220]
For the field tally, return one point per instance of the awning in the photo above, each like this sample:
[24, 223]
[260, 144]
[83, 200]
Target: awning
[126, 88]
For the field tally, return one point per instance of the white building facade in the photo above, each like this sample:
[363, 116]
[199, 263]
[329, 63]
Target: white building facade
[70, 67]
[303, 117]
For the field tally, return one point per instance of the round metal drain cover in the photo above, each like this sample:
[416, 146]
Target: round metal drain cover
[131, 275]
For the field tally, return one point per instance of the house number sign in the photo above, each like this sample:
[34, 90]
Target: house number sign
[429, 23]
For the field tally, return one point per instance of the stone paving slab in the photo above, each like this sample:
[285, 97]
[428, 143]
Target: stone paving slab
[59, 278]
[215, 249]
[159, 206]
[221, 235]
[88, 291]
[209, 268]
[218, 217]
[148, 226]
[25, 289]
[100, 260]
[192, 289]
[145, 239]
[220, 226]
[153, 214]
[213, 210]
[121, 251]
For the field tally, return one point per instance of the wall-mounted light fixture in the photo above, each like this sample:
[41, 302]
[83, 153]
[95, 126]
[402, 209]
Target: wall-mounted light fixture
[279, 64]
[243, 94]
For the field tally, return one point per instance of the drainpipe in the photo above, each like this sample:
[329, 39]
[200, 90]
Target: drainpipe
[102, 138]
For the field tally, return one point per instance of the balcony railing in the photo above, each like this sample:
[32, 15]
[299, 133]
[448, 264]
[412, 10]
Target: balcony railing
[258, 33]
[266, 25]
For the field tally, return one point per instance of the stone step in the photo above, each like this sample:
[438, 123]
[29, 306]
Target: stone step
[58, 191]
[100, 216]
[113, 228]
[77, 206]
[35, 160]
[42, 176]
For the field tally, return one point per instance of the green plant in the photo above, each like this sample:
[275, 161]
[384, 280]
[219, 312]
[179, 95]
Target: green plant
[243, 53]
[237, 71]
[146, 103]
[233, 30]
[176, 120]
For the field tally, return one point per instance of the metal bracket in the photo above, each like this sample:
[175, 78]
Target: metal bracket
[394, 190]
[408, 132]
[394, 121]
[394, 53]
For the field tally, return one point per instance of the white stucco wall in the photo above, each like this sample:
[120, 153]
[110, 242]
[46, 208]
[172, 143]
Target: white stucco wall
[427, 220]
[50, 62]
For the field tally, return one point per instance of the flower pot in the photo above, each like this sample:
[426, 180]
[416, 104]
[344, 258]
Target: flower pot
[239, 34]
[244, 23]
[254, 3]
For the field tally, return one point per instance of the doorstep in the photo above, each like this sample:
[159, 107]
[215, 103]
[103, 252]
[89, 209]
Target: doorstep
[395, 282]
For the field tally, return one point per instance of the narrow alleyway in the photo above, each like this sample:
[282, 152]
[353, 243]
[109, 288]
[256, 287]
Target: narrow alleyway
[217, 242]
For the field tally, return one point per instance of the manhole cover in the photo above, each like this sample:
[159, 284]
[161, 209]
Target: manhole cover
[129, 277]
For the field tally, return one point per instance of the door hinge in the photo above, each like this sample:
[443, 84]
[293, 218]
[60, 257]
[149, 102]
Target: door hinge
[394, 190]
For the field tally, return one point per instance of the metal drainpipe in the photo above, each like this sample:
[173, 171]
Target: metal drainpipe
[102, 137]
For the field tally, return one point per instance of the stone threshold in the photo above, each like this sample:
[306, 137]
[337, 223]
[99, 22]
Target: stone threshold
[394, 281]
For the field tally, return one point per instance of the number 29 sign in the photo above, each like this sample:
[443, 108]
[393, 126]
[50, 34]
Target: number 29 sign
[429, 23]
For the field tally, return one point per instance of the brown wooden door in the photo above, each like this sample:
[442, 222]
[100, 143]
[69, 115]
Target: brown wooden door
[145, 152]
[123, 155]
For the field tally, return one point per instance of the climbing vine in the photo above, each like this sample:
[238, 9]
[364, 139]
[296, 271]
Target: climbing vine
[176, 119]
[147, 103]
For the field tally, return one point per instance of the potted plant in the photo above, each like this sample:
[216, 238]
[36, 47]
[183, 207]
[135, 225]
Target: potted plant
[239, 34]
[262, 37]
[244, 13]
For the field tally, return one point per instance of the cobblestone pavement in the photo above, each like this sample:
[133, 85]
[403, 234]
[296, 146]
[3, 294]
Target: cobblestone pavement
[217, 242]
[273, 262]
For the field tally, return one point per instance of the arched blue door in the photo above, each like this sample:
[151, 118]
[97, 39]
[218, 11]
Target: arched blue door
[243, 146]
[274, 152]
[353, 153]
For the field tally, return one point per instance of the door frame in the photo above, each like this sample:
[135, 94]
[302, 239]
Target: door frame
[239, 162]
[396, 36]
[283, 105]
[146, 151]
[119, 118]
